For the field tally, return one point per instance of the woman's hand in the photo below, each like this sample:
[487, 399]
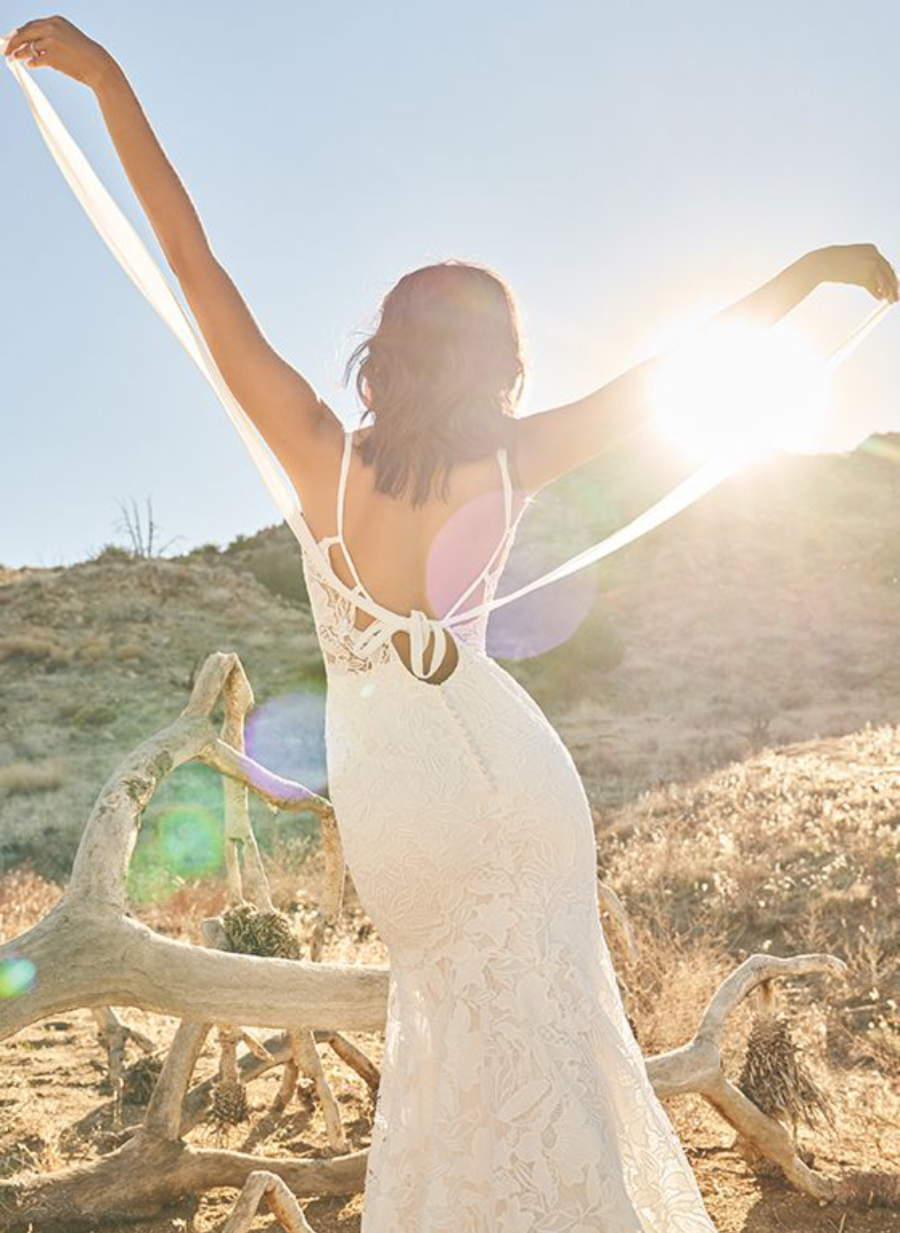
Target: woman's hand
[53, 42]
[862, 265]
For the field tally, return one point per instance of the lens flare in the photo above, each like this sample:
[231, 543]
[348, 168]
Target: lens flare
[184, 840]
[190, 841]
[547, 617]
[735, 391]
[881, 448]
[286, 734]
[17, 976]
[459, 552]
[532, 625]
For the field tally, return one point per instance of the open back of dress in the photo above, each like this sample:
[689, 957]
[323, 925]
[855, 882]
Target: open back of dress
[337, 609]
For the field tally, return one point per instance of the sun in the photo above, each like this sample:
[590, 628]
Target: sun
[735, 392]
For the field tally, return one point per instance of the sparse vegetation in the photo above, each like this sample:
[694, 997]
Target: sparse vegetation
[33, 647]
[142, 530]
[27, 778]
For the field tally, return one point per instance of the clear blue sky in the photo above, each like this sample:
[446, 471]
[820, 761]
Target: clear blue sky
[623, 165]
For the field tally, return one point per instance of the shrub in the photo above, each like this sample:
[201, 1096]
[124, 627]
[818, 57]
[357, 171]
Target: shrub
[131, 651]
[25, 778]
[32, 648]
[112, 554]
[202, 550]
[92, 650]
[82, 714]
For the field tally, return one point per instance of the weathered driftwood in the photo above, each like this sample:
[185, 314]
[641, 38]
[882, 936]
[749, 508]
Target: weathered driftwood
[247, 881]
[279, 1200]
[89, 953]
[198, 1100]
[114, 1035]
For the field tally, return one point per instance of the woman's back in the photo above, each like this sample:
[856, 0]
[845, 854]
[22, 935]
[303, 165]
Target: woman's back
[410, 557]
[401, 566]
[380, 565]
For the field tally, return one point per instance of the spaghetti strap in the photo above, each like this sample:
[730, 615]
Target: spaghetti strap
[503, 459]
[342, 484]
[341, 500]
[507, 527]
[503, 464]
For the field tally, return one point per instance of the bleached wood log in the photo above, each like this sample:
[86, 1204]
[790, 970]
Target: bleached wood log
[697, 1066]
[163, 1119]
[260, 1186]
[198, 1100]
[90, 958]
[307, 1057]
[88, 953]
[248, 881]
[610, 902]
[148, 1174]
[108, 1021]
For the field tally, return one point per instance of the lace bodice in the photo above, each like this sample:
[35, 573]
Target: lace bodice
[346, 648]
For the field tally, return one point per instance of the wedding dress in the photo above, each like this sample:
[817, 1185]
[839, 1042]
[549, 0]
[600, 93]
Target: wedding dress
[513, 1097]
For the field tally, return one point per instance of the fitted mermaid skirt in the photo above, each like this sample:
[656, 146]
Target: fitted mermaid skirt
[513, 1097]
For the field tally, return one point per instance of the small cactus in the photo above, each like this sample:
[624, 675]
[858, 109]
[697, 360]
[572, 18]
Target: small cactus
[230, 1105]
[267, 934]
[774, 1078]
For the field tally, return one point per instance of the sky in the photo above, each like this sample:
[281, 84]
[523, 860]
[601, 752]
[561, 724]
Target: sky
[626, 167]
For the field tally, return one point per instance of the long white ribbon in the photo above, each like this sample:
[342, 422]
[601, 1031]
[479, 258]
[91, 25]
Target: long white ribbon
[130, 251]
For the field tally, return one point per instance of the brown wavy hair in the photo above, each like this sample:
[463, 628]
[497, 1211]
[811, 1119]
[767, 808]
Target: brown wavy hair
[440, 376]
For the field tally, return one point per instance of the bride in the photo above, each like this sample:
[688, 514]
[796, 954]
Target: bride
[514, 1097]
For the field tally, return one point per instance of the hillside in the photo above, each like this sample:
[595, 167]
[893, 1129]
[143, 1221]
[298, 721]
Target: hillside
[96, 656]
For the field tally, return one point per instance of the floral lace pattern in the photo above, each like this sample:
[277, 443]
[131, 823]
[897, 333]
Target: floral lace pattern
[334, 616]
[513, 1097]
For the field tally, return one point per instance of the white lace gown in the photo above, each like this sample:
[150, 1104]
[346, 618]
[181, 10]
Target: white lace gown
[513, 1097]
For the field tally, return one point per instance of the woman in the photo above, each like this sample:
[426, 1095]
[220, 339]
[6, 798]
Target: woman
[514, 1098]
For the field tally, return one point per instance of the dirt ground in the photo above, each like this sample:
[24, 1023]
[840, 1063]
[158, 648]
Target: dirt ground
[55, 1108]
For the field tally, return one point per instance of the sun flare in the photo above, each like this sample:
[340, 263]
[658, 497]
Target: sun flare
[736, 391]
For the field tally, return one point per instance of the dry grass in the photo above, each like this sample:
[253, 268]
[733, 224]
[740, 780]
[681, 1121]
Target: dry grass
[27, 778]
[667, 985]
[99, 656]
[34, 646]
[25, 897]
[798, 846]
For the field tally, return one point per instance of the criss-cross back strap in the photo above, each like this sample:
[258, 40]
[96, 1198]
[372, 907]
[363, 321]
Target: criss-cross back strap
[418, 624]
[507, 527]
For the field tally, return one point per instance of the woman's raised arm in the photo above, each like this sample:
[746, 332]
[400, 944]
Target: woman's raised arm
[551, 443]
[283, 405]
